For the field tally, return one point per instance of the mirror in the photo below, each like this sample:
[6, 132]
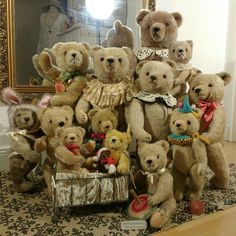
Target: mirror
[23, 35]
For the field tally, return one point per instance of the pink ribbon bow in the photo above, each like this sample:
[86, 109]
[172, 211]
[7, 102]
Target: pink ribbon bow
[207, 109]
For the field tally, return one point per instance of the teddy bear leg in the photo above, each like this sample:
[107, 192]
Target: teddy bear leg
[196, 182]
[179, 184]
[162, 216]
[19, 169]
[124, 165]
[47, 173]
[218, 163]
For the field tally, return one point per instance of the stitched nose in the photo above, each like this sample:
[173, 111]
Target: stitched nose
[110, 60]
[26, 119]
[73, 55]
[72, 138]
[61, 124]
[178, 125]
[181, 50]
[149, 162]
[107, 127]
[153, 77]
[197, 90]
[113, 140]
[156, 29]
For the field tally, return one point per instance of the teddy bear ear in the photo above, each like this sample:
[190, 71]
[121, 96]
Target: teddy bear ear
[226, 77]
[140, 65]
[91, 113]
[86, 45]
[55, 48]
[164, 144]
[68, 109]
[82, 130]
[141, 15]
[40, 112]
[128, 51]
[171, 63]
[117, 26]
[114, 111]
[94, 49]
[178, 18]
[190, 42]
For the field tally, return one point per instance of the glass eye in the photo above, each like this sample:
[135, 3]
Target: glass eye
[50, 121]
[173, 51]
[189, 122]
[120, 59]
[164, 76]
[210, 85]
[147, 74]
[65, 53]
[167, 24]
[102, 59]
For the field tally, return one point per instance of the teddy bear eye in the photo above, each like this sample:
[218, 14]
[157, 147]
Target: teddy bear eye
[193, 88]
[66, 119]
[186, 49]
[164, 76]
[50, 121]
[120, 59]
[147, 74]
[189, 122]
[99, 122]
[167, 24]
[18, 115]
[65, 53]
[210, 85]
[148, 26]
[101, 58]
[173, 122]
[173, 51]
[158, 156]
[66, 137]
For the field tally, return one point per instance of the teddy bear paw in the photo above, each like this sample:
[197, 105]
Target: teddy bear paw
[201, 169]
[82, 117]
[144, 137]
[155, 220]
[122, 170]
[112, 169]
[153, 200]
[179, 195]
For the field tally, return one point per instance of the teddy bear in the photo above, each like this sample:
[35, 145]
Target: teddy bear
[153, 160]
[207, 92]
[25, 128]
[51, 118]
[119, 36]
[189, 151]
[150, 109]
[158, 29]
[70, 153]
[117, 142]
[181, 53]
[112, 88]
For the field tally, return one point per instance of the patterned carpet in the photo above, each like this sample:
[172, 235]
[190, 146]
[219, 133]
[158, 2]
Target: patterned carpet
[31, 214]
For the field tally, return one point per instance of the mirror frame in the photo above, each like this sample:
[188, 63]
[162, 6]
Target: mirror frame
[7, 52]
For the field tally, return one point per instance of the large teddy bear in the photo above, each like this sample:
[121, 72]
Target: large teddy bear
[150, 109]
[189, 151]
[112, 88]
[158, 30]
[207, 92]
[153, 159]
[51, 118]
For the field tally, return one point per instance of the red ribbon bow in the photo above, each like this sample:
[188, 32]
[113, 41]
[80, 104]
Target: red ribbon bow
[74, 148]
[207, 109]
[98, 136]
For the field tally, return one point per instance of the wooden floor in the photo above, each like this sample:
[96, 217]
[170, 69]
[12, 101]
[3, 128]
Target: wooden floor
[219, 224]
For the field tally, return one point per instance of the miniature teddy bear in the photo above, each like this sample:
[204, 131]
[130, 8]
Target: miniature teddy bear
[51, 118]
[119, 36]
[189, 151]
[150, 109]
[158, 30]
[25, 128]
[117, 142]
[181, 53]
[70, 153]
[112, 88]
[207, 92]
[153, 160]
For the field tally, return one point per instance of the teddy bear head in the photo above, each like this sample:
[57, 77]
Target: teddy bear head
[103, 120]
[111, 64]
[153, 156]
[72, 56]
[117, 140]
[181, 51]
[208, 87]
[54, 117]
[70, 135]
[119, 36]
[158, 28]
[156, 77]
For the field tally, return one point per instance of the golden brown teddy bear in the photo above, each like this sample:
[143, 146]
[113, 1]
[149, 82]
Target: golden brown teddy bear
[51, 118]
[158, 30]
[112, 88]
[153, 159]
[207, 92]
[150, 109]
[189, 151]
[25, 128]
[70, 153]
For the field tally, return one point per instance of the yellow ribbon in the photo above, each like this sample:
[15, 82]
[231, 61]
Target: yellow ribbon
[203, 138]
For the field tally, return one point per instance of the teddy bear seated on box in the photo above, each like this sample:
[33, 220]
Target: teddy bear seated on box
[153, 160]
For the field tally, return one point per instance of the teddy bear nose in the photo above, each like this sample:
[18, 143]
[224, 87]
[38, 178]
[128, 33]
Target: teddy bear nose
[110, 60]
[156, 29]
[153, 77]
[181, 50]
[149, 162]
[73, 55]
[113, 140]
[26, 119]
[61, 123]
[72, 138]
[107, 127]
[197, 90]
[178, 125]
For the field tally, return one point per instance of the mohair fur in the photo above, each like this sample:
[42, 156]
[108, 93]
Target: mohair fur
[153, 159]
[189, 160]
[150, 121]
[210, 88]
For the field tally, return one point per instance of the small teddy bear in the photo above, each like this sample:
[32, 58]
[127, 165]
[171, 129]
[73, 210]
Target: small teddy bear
[51, 118]
[112, 88]
[117, 143]
[150, 109]
[207, 92]
[189, 151]
[153, 160]
[25, 128]
[119, 36]
[70, 153]
[158, 29]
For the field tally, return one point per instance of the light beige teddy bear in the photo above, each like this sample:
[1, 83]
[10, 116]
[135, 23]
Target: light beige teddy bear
[150, 109]
[158, 30]
[207, 92]
[112, 88]
[153, 159]
[189, 151]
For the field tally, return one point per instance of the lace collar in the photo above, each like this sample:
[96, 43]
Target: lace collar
[144, 53]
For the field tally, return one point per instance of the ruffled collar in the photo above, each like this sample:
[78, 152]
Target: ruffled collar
[109, 95]
[143, 53]
[167, 100]
[183, 139]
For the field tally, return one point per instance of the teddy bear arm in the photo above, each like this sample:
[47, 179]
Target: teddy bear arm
[182, 77]
[81, 110]
[199, 150]
[40, 144]
[124, 164]
[87, 148]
